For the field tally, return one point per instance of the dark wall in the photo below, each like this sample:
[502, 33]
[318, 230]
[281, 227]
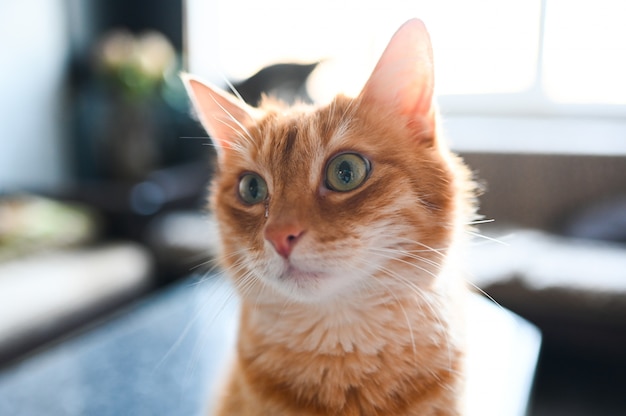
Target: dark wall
[89, 20]
[140, 15]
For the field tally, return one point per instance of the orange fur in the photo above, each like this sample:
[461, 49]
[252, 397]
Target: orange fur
[363, 316]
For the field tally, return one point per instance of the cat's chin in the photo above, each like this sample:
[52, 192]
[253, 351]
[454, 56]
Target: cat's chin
[310, 286]
[301, 277]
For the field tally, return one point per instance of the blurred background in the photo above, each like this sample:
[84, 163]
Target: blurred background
[103, 170]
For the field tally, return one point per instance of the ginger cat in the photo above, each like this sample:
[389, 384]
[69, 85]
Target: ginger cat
[338, 227]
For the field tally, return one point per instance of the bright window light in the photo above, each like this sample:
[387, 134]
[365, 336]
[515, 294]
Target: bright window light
[486, 51]
[480, 47]
[585, 51]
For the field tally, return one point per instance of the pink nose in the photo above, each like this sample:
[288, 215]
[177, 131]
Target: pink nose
[283, 237]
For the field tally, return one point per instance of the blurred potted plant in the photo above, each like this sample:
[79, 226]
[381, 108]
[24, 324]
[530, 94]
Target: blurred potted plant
[135, 69]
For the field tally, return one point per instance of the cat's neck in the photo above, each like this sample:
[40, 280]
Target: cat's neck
[354, 357]
[366, 321]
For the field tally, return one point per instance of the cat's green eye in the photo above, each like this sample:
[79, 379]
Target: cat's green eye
[346, 171]
[252, 188]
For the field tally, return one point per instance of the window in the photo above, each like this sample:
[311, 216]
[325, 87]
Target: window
[513, 58]
[585, 51]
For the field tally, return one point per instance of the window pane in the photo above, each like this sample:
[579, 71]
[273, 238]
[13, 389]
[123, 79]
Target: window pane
[585, 51]
[485, 46]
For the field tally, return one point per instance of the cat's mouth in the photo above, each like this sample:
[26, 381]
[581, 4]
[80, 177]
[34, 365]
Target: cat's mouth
[312, 284]
[304, 285]
[293, 273]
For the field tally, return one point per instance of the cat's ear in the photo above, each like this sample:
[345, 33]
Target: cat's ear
[222, 115]
[403, 78]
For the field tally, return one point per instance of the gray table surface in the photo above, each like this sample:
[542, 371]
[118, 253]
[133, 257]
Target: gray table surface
[163, 356]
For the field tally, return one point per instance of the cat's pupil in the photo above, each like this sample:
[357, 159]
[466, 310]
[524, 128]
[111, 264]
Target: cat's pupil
[344, 172]
[253, 188]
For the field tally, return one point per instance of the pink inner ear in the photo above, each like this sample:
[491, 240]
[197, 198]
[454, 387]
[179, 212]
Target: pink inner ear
[221, 115]
[403, 77]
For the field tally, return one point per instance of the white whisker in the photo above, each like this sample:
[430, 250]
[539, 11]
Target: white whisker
[232, 88]
[494, 240]
[487, 295]
[478, 222]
